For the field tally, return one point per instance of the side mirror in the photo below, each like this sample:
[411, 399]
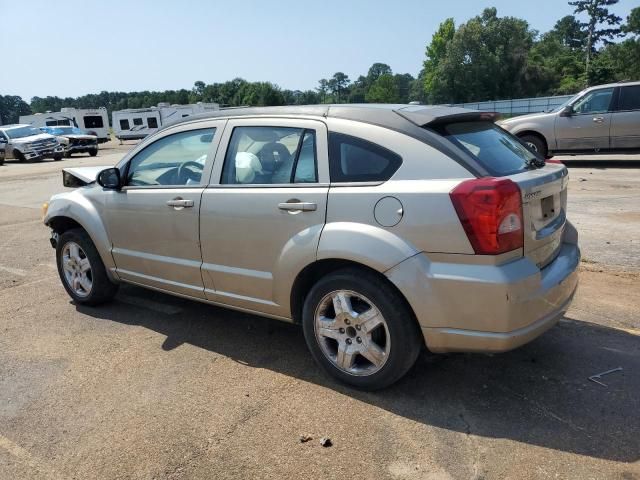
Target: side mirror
[566, 111]
[3, 140]
[109, 178]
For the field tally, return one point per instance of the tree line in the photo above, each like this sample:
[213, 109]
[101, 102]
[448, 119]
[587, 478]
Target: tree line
[486, 58]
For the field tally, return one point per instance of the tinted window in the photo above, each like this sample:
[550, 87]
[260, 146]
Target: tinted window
[93, 121]
[176, 159]
[137, 121]
[352, 159]
[124, 124]
[270, 155]
[596, 101]
[629, 98]
[55, 123]
[496, 150]
[152, 122]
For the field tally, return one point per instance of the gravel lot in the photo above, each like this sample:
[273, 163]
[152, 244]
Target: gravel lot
[153, 386]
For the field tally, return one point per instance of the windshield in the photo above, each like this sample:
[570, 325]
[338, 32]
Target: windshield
[22, 132]
[498, 151]
[64, 131]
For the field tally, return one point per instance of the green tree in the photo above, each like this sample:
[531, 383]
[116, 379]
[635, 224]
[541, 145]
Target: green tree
[338, 86]
[486, 59]
[436, 51]
[384, 90]
[633, 22]
[323, 88]
[11, 107]
[600, 26]
[376, 71]
[403, 81]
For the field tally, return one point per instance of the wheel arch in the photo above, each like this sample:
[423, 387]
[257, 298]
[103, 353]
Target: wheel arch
[76, 211]
[312, 273]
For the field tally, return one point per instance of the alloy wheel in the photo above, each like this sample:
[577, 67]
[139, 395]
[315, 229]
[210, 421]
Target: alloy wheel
[77, 269]
[352, 332]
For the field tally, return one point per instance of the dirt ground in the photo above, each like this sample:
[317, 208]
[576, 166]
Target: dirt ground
[156, 387]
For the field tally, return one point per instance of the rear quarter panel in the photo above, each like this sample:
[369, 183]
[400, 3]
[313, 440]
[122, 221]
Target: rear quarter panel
[422, 184]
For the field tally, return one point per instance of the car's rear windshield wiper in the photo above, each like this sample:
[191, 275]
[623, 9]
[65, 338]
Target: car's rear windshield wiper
[534, 162]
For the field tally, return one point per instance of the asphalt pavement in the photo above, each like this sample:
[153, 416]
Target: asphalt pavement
[153, 386]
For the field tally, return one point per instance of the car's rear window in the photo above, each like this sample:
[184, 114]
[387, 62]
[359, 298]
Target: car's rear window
[496, 150]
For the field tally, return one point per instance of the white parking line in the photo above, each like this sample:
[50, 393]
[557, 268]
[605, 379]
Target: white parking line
[149, 304]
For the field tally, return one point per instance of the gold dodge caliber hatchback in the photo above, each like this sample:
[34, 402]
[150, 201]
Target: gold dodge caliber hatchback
[379, 228]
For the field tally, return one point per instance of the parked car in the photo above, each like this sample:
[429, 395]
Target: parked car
[601, 119]
[24, 142]
[380, 229]
[74, 140]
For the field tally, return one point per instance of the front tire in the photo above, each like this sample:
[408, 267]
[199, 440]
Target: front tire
[536, 144]
[81, 270]
[360, 330]
[57, 158]
[93, 153]
[17, 154]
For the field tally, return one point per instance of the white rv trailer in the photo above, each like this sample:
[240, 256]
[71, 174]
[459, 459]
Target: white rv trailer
[94, 120]
[137, 123]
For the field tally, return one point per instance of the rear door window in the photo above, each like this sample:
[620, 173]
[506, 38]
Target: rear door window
[93, 121]
[499, 152]
[629, 98]
[353, 159]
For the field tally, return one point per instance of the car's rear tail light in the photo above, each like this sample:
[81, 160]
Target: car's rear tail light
[490, 210]
[549, 160]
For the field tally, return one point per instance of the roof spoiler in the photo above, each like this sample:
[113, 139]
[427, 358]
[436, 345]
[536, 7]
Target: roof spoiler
[434, 116]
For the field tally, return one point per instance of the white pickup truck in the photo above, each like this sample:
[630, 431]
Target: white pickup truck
[24, 142]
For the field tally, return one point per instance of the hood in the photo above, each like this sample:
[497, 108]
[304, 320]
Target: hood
[79, 176]
[521, 118]
[32, 138]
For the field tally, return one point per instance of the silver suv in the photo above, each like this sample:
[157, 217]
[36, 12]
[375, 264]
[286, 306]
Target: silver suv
[602, 119]
[380, 229]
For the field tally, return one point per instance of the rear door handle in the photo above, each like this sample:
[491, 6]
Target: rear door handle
[298, 206]
[179, 203]
[598, 119]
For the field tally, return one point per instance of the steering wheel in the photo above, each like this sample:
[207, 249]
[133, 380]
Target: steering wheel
[185, 173]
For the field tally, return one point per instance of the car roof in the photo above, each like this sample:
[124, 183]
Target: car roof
[394, 116]
[409, 120]
[623, 83]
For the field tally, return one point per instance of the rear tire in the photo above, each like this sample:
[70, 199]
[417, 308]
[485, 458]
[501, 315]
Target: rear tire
[376, 321]
[93, 153]
[81, 270]
[67, 154]
[536, 144]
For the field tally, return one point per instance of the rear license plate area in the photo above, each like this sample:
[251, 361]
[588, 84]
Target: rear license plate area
[548, 207]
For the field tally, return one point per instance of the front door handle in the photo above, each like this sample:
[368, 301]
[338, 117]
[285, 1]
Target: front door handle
[295, 206]
[179, 203]
[598, 119]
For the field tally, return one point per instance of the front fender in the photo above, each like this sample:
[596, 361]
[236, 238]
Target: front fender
[82, 209]
[372, 246]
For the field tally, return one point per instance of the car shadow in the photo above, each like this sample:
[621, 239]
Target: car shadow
[601, 164]
[539, 394]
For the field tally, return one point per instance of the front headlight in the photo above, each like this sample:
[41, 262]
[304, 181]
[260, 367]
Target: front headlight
[63, 141]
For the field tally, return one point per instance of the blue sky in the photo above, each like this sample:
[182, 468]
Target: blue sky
[74, 47]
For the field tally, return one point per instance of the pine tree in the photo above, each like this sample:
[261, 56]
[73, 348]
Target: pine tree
[598, 16]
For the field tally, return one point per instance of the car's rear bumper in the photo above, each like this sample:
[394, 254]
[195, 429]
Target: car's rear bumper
[488, 308]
